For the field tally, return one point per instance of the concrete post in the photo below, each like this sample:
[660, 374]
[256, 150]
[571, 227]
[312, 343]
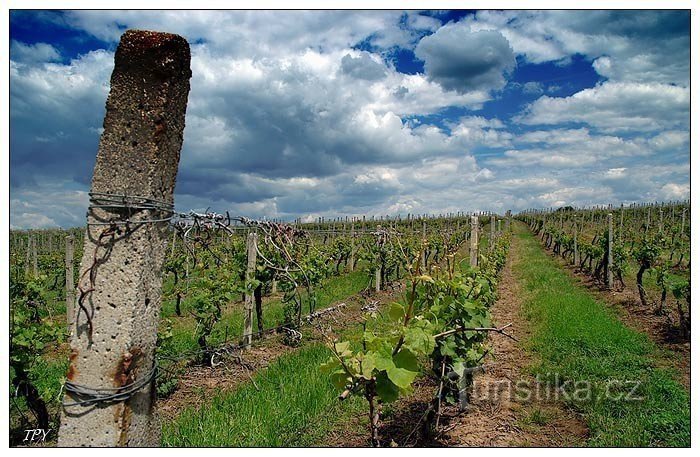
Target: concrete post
[35, 263]
[622, 220]
[474, 247]
[683, 222]
[425, 248]
[576, 259]
[610, 252]
[377, 279]
[492, 234]
[114, 338]
[352, 247]
[70, 281]
[252, 252]
[28, 258]
[661, 221]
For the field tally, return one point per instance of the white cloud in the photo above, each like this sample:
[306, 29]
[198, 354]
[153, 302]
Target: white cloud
[614, 107]
[674, 191]
[638, 46]
[32, 53]
[286, 117]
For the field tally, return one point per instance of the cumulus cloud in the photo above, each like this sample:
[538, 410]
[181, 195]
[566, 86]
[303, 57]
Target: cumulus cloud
[362, 67]
[462, 60]
[307, 114]
[611, 107]
[32, 53]
[625, 45]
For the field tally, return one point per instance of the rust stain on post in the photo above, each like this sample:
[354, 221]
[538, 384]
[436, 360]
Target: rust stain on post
[72, 371]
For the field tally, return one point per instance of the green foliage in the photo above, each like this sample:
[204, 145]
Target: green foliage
[386, 363]
[30, 332]
[647, 251]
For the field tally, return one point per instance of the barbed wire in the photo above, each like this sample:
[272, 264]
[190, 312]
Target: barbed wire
[87, 396]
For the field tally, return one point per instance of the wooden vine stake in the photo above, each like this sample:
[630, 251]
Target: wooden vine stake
[28, 258]
[425, 248]
[35, 263]
[610, 251]
[474, 247]
[70, 281]
[252, 252]
[576, 255]
[352, 247]
[114, 323]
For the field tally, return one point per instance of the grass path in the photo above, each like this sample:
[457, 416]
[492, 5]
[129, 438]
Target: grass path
[289, 403]
[582, 345]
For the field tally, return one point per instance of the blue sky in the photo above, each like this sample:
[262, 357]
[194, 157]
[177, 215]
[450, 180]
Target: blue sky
[325, 113]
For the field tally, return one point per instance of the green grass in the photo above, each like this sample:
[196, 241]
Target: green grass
[230, 327]
[290, 393]
[580, 339]
[291, 403]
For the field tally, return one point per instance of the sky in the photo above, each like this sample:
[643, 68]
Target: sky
[334, 113]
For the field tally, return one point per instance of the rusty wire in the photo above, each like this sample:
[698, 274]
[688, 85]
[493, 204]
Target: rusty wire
[87, 396]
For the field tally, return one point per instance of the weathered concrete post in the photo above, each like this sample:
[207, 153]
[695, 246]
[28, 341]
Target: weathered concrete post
[661, 221]
[352, 247]
[28, 258]
[70, 280]
[114, 337]
[610, 251]
[492, 234]
[576, 259]
[508, 216]
[474, 247]
[683, 222]
[377, 279]
[252, 252]
[35, 263]
[622, 220]
[425, 248]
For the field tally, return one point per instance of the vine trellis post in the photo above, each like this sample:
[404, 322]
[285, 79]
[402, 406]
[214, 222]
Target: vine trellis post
[110, 389]
[352, 247]
[70, 280]
[576, 255]
[252, 251]
[35, 263]
[474, 247]
[610, 251]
